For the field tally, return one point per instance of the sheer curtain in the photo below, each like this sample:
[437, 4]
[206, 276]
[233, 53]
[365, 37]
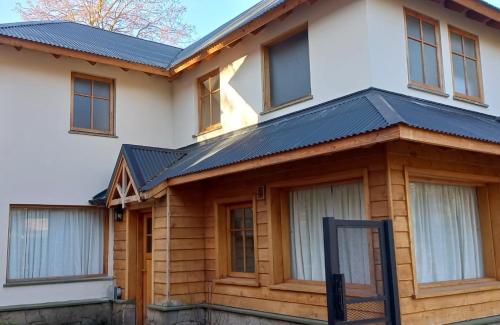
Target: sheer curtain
[307, 209]
[55, 242]
[447, 232]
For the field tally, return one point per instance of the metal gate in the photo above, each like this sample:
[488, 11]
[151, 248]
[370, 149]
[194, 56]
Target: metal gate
[360, 269]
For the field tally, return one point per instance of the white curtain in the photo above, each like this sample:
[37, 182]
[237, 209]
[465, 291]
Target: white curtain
[447, 232]
[55, 242]
[307, 209]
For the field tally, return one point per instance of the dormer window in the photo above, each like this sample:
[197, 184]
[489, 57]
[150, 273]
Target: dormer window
[92, 109]
[467, 81]
[287, 78]
[424, 52]
[209, 101]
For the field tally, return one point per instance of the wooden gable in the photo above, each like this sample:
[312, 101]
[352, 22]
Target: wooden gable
[123, 190]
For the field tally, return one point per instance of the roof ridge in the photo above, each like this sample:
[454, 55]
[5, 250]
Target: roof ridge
[384, 108]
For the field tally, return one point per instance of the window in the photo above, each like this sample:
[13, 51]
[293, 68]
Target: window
[56, 242]
[424, 51]
[287, 72]
[209, 101]
[449, 213]
[236, 241]
[92, 109]
[308, 207]
[241, 237]
[467, 81]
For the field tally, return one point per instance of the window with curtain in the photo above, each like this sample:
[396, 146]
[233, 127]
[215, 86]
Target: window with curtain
[446, 231]
[466, 65]
[209, 101]
[423, 50]
[92, 107]
[308, 207]
[287, 70]
[55, 242]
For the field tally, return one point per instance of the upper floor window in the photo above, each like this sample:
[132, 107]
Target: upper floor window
[287, 72]
[92, 109]
[467, 81]
[424, 48]
[209, 101]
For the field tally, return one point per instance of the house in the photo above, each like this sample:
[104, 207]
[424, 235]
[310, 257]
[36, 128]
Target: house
[143, 183]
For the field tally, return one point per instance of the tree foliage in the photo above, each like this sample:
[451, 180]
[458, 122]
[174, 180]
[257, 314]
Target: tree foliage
[157, 20]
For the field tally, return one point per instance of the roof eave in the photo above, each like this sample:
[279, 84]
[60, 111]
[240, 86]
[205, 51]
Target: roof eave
[94, 58]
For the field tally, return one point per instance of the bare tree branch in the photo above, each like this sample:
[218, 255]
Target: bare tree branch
[157, 20]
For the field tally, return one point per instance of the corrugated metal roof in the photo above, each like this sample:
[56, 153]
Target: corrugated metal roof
[239, 21]
[83, 38]
[359, 113]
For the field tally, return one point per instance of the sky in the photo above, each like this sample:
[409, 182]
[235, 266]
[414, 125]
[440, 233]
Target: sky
[205, 15]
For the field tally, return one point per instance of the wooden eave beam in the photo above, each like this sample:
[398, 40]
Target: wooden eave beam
[481, 8]
[240, 33]
[476, 16]
[455, 6]
[58, 51]
[394, 133]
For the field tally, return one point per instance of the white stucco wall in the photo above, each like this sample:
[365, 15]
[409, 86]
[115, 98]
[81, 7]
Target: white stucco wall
[387, 44]
[41, 163]
[338, 60]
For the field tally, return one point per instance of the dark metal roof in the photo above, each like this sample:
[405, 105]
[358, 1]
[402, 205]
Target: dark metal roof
[239, 21]
[83, 38]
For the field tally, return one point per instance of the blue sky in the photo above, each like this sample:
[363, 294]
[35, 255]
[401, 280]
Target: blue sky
[205, 15]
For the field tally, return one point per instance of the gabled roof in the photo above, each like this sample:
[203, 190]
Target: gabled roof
[92, 40]
[359, 113]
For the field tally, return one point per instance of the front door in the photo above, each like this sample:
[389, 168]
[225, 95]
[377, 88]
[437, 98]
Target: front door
[144, 266]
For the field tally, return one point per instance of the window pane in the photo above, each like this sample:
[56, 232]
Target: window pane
[205, 112]
[289, 72]
[413, 27]
[429, 33]
[237, 218]
[456, 43]
[449, 213]
[431, 66]
[248, 218]
[470, 47]
[414, 49]
[215, 82]
[58, 242]
[472, 79]
[237, 258]
[101, 89]
[82, 86]
[307, 208]
[81, 112]
[216, 108]
[458, 74]
[101, 114]
[249, 250]
[205, 87]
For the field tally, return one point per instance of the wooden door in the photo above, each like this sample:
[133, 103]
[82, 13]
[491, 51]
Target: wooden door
[144, 266]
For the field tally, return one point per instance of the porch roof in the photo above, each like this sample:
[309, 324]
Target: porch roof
[356, 114]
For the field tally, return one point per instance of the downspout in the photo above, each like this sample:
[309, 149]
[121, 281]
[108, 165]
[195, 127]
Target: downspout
[167, 258]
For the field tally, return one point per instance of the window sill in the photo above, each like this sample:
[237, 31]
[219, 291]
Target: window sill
[249, 282]
[93, 134]
[300, 287]
[209, 130]
[20, 283]
[457, 288]
[428, 90]
[287, 104]
[470, 101]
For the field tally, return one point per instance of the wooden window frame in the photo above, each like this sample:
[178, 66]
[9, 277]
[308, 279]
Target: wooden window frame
[488, 194]
[422, 85]
[460, 96]
[62, 279]
[111, 99]
[224, 274]
[199, 83]
[279, 225]
[266, 77]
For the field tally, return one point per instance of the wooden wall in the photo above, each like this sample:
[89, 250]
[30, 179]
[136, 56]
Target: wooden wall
[444, 308]
[192, 230]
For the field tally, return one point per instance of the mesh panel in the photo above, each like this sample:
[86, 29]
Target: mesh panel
[365, 310]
